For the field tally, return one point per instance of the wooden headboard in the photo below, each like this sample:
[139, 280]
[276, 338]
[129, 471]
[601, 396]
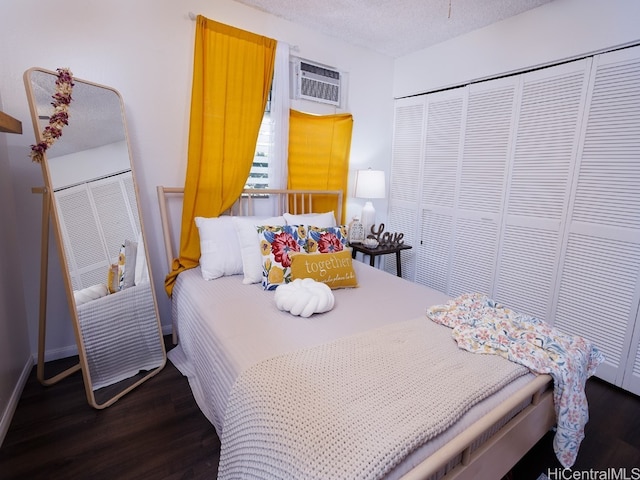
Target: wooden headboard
[301, 200]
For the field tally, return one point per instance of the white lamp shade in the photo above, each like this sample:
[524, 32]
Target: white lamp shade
[370, 184]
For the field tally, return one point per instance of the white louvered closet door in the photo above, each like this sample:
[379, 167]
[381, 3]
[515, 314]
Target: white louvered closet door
[568, 227]
[96, 208]
[407, 154]
[599, 288]
[483, 172]
[86, 254]
[548, 131]
[442, 149]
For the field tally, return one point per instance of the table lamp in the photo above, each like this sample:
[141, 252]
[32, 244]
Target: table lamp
[369, 184]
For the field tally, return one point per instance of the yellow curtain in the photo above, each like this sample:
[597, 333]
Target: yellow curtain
[319, 148]
[232, 75]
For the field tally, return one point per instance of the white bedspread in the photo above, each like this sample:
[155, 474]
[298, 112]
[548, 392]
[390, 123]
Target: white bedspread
[120, 333]
[368, 400]
[226, 327]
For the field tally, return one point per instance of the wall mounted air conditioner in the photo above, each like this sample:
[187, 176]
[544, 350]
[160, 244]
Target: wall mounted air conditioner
[316, 82]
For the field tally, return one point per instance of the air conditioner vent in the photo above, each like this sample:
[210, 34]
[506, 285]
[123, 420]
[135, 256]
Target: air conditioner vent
[316, 82]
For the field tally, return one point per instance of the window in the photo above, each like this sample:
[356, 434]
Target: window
[259, 174]
[269, 169]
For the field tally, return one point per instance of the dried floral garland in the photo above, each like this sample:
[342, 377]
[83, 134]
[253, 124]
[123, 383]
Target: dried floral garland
[60, 118]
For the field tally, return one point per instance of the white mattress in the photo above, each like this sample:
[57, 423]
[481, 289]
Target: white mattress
[224, 327]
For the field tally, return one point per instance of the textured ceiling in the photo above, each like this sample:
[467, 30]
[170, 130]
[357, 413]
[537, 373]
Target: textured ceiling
[394, 27]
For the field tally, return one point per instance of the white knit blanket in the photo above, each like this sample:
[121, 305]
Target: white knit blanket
[353, 408]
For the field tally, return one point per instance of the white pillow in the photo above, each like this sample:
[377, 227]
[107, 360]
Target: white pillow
[323, 220]
[219, 249]
[90, 293]
[249, 244]
[130, 256]
[142, 272]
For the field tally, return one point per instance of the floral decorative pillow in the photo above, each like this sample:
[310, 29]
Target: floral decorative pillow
[277, 244]
[326, 239]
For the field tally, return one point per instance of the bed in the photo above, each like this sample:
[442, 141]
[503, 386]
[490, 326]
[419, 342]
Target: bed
[230, 333]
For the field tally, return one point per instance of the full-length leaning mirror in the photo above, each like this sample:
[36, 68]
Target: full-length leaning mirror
[90, 195]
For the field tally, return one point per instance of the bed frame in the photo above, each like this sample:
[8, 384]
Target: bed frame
[302, 201]
[495, 456]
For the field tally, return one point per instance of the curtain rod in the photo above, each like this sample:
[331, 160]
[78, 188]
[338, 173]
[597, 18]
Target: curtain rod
[193, 17]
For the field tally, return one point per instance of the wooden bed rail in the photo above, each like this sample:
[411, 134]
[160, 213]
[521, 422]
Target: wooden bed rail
[164, 218]
[499, 453]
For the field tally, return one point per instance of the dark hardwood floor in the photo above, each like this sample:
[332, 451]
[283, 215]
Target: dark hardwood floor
[154, 432]
[158, 432]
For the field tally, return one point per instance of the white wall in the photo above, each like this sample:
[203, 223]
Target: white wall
[144, 49]
[94, 163]
[556, 31]
[15, 353]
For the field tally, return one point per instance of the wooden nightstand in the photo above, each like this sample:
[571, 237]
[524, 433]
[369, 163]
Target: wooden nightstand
[380, 250]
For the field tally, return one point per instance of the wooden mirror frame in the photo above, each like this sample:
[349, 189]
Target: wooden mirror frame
[106, 395]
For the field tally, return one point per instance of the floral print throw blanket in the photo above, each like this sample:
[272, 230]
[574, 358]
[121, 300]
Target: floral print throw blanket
[481, 325]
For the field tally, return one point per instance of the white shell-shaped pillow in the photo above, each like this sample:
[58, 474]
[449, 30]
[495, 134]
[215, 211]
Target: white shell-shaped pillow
[304, 297]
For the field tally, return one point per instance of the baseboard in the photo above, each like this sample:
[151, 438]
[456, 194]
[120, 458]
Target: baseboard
[10, 409]
[71, 350]
[57, 353]
[64, 352]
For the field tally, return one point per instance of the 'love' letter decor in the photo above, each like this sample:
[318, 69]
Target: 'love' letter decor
[386, 238]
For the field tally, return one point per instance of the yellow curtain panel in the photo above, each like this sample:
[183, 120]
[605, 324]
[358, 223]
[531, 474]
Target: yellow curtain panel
[232, 75]
[319, 147]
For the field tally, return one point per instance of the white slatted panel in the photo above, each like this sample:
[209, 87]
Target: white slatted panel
[569, 226]
[487, 145]
[631, 379]
[547, 140]
[111, 205]
[599, 287]
[486, 148]
[131, 198]
[527, 267]
[86, 256]
[608, 189]
[546, 143]
[474, 257]
[95, 276]
[434, 250]
[407, 151]
[636, 363]
[596, 290]
[96, 218]
[442, 150]
[402, 220]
